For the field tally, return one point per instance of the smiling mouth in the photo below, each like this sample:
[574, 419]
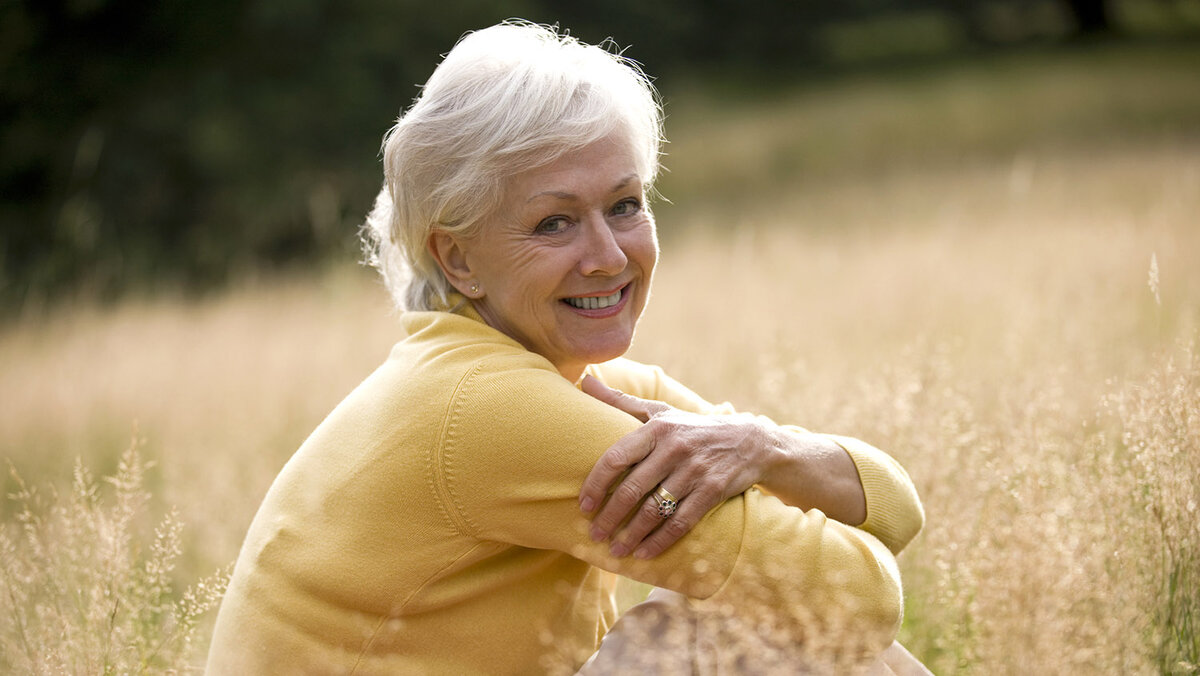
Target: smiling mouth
[595, 302]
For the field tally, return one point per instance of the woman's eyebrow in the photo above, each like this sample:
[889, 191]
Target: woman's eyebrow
[625, 182]
[559, 194]
[553, 193]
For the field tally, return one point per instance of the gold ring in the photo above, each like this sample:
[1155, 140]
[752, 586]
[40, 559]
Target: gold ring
[666, 502]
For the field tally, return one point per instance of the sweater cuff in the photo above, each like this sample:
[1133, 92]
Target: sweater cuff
[894, 512]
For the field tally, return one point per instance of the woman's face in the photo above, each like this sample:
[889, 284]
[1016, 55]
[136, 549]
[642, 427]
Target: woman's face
[564, 265]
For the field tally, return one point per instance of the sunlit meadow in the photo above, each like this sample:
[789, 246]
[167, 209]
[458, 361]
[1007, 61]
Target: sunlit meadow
[992, 272]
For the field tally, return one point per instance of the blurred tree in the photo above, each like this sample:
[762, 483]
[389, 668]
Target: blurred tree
[147, 142]
[1090, 15]
[171, 141]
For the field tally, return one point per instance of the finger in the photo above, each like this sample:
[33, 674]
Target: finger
[648, 518]
[627, 497]
[689, 512]
[642, 409]
[625, 453]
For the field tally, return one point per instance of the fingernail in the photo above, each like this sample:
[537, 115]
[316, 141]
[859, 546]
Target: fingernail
[598, 535]
[586, 505]
[641, 553]
[618, 549]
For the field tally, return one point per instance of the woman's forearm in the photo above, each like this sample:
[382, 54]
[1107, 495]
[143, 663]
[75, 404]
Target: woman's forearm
[811, 471]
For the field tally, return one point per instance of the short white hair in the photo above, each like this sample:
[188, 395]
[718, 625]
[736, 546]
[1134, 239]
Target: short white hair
[506, 99]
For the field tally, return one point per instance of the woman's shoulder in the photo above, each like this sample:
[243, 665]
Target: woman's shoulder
[648, 381]
[446, 366]
[475, 376]
[445, 342]
[629, 376]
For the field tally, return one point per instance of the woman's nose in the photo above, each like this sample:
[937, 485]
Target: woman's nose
[602, 252]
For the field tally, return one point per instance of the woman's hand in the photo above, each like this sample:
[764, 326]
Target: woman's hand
[703, 460]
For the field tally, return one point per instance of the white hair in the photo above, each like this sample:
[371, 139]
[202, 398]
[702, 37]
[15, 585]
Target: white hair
[506, 99]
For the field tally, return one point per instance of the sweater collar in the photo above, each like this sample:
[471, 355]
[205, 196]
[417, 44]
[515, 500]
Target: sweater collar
[458, 304]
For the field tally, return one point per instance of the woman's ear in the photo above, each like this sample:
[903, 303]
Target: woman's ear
[451, 256]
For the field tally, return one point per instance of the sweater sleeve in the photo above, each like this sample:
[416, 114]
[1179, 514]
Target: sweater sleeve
[517, 444]
[894, 511]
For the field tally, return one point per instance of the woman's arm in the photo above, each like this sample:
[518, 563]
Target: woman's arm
[704, 459]
[519, 442]
[812, 471]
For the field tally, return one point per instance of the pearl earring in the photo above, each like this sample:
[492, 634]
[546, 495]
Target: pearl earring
[474, 287]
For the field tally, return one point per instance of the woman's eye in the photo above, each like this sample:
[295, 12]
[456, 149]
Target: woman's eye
[624, 207]
[552, 225]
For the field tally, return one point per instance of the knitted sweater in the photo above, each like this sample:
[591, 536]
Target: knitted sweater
[431, 525]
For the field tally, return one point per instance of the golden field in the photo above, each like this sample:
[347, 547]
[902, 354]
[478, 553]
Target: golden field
[972, 270]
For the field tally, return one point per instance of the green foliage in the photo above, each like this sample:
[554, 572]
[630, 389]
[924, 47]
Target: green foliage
[84, 586]
[158, 141]
[170, 142]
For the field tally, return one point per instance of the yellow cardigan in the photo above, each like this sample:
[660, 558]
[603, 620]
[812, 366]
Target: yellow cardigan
[431, 525]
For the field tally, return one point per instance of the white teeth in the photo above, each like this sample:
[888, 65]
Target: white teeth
[595, 302]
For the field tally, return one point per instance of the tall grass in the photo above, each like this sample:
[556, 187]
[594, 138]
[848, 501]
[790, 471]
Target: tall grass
[86, 586]
[1015, 320]
[1009, 351]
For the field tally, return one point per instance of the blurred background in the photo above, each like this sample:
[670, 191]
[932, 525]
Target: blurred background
[967, 231]
[177, 145]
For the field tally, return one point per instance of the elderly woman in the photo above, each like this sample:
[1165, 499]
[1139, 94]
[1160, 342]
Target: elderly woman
[469, 507]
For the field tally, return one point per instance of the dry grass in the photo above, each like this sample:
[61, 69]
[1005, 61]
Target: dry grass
[85, 593]
[1002, 340]
[989, 321]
